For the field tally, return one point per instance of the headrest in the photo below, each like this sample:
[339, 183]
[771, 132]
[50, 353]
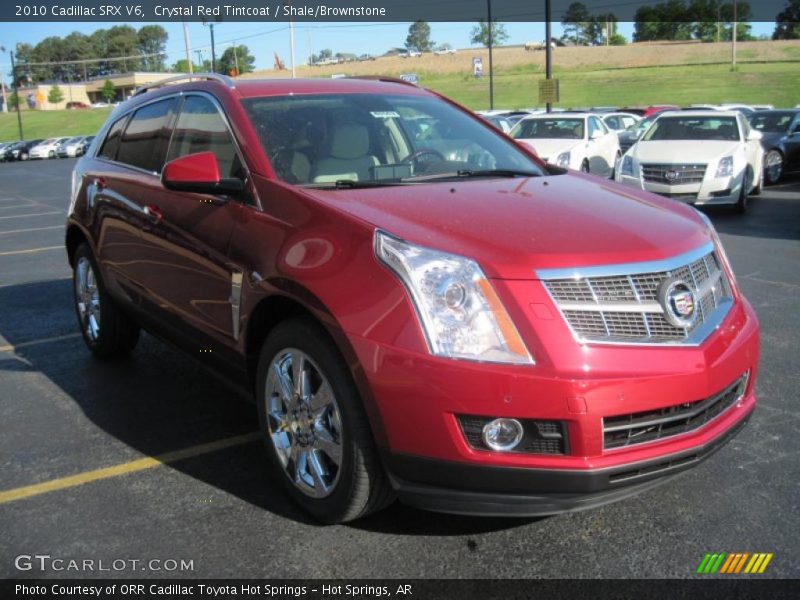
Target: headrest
[349, 141]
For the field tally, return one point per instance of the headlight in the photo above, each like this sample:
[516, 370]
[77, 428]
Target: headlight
[725, 168]
[563, 159]
[460, 313]
[626, 168]
[719, 247]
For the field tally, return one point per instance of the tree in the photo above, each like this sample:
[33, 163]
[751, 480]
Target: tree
[576, 22]
[55, 95]
[419, 37]
[480, 34]
[787, 24]
[617, 39]
[152, 42]
[233, 56]
[108, 91]
[123, 41]
[669, 20]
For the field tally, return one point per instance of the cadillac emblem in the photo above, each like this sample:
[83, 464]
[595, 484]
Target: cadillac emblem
[678, 301]
[671, 176]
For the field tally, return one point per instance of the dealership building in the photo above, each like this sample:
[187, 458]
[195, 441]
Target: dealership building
[86, 92]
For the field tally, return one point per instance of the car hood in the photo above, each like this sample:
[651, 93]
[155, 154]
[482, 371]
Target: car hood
[678, 151]
[512, 227]
[550, 149]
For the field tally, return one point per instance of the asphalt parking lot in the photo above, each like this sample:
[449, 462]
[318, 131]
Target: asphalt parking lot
[63, 414]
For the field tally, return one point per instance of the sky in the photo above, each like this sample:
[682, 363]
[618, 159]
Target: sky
[264, 39]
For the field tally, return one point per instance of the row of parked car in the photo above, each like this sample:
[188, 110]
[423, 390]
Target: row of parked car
[60, 147]
[703, 154]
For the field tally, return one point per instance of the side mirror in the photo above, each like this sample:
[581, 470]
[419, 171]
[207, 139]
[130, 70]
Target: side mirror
[755, 136]
[198, 173]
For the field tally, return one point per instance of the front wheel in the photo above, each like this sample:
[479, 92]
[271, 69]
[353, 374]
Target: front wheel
[107, 331]
[773, 166]
[317, 435]
[23, 156]
[741, 204]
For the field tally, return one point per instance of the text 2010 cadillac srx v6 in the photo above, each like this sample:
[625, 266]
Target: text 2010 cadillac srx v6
[420, 307]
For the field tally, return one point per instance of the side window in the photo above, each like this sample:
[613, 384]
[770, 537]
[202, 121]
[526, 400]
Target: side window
[111, 143]
[613, 122]
[594, 126]
[627, 122]
[142, 144]
[200, 128]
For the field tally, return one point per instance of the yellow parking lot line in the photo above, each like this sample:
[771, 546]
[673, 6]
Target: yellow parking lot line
[31, 250]
[31, 229]
[58, 338]
[44, 214]
[124, 468]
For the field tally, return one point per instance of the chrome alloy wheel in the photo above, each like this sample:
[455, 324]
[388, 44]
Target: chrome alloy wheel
[87, 297]
[304, 423]
[773, 165]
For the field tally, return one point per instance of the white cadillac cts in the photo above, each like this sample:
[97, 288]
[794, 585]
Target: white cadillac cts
[697, 157]
[575, 141]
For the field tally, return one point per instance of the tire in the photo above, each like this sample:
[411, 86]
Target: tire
[51, 154]
[106, 330]
[23, 156]
[305, 438]
[774, 172]
[741, 204]
[585, 166]
[760, 187]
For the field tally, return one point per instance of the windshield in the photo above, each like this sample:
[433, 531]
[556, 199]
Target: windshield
[777, 122]
[694, 128]
[322, 139]
[74, 140]
[561, 129]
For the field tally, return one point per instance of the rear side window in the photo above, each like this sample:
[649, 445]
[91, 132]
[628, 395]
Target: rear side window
[144, 140]
[111, 143]
[200, 128]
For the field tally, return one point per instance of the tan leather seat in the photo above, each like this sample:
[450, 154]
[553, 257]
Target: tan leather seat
[347, 156]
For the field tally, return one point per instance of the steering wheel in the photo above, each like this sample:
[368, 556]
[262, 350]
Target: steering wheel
[415, 156]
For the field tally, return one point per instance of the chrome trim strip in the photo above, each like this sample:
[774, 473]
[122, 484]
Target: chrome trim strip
[631, 307]
[236, 301]
[743, 378]
[620, 270]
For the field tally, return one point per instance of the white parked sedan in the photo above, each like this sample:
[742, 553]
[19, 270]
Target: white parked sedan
[619, 121]
[699, 157]
[575, 141]
[48, 148]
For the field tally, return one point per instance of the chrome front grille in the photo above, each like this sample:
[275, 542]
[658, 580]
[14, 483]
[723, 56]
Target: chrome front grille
[677, 174]
[620, 304]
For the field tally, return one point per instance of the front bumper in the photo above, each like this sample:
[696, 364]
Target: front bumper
[416, 400]
[713, 190]
[485, 491]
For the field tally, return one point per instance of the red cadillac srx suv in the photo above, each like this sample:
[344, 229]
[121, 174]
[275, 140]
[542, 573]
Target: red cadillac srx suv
[421, 308]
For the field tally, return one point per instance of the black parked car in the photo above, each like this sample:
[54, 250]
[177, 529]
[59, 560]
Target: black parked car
[21, 150]
[781, 141]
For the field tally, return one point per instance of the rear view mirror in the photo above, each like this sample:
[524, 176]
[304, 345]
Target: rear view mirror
[198, 173]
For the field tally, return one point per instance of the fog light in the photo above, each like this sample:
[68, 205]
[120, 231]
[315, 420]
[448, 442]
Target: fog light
[502, 435]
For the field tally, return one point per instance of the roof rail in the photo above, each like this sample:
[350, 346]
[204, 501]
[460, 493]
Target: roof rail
[223, 79]
[385, 78]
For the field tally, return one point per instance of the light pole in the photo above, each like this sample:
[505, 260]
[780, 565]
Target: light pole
[199, 58]
[16, 90]
[733, 38]
[187, 45]
[213, 50]
[548, 56]
[491, 42]
[3, 87]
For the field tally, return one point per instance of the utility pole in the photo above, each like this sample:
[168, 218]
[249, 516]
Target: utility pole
[213, 49]
[199, 59]
[3, 86]
[235, 58]
[491, 43]
[548, 49]
[291, 46]
[16, 90]
[188, 47]
[733, 38]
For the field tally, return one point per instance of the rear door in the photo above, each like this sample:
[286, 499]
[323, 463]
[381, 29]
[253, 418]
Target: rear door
[792, 145]
[602, 149]
[187, 235]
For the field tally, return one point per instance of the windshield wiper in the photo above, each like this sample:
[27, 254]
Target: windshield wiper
[349, 184]
[469, 173]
